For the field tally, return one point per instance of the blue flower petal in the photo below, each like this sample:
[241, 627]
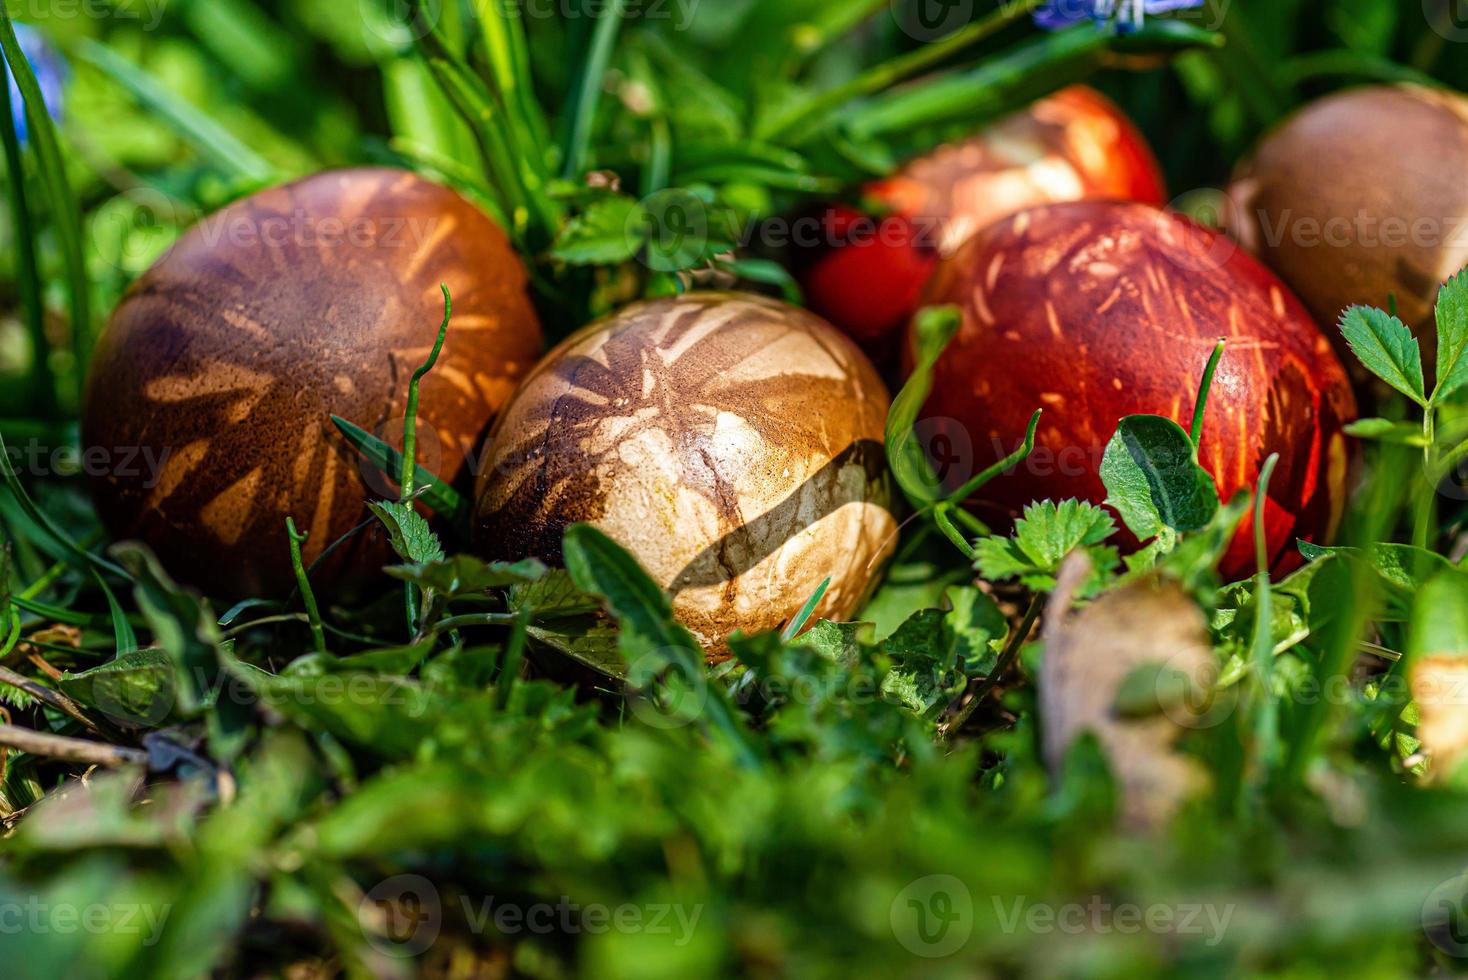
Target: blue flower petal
[50, 72]
[1057, 14]
[1054, 15]
[1163, 6]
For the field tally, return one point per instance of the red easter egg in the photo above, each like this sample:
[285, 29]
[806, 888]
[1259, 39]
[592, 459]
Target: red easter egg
[1098, 310]
[1074, 145]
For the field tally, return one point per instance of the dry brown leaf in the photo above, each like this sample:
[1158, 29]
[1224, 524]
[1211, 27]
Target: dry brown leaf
[1088, 655]
[1440, 688]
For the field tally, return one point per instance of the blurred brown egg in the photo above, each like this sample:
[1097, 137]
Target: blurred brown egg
[1071, 146]
[212, 388]
[1361, 196]
[1098, 310]
[732, 443]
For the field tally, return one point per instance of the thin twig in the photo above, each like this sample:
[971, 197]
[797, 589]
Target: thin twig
[54, 698]
[69, 749]
[963, 708]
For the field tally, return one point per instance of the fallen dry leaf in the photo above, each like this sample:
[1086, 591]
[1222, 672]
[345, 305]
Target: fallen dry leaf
[1440, 688]
[1090, 653]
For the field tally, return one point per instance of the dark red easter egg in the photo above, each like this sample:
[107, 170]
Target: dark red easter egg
[1098, 310]
[1071, 146]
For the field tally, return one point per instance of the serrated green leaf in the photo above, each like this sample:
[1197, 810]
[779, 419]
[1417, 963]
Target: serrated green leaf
[837, 642]
[1001, 558]
[432, 492]
[923, 653]
[553, 596]
[590, 642]
[137, 688]
[606, 233]
[1153, 479]
[1402, 566]
[979, 628]
[397, 661]
[1043, 537]
[1452, 336]
[1049, 531]
[1386, 346]
[411, 537]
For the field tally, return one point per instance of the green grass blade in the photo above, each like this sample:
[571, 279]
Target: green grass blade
[28, 282]
[809, 114]
[1008, 81]
[503, 28]
[410, 416]
[433, 492]
[601, 567]
[587, 92]
[1266, 719]
[806, 611]
[206, 136]
[65, 211]
[122, 630]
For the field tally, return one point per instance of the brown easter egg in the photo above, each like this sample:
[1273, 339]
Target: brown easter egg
[1359, 197]
[221, 367]
[732, 443]
[1097, 310]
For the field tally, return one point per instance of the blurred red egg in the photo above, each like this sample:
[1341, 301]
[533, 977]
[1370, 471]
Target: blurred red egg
[1098, 310]
[866, 276]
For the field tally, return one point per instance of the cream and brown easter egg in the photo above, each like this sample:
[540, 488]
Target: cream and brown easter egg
[732, 443]
[1097, 310]
[226, 360]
